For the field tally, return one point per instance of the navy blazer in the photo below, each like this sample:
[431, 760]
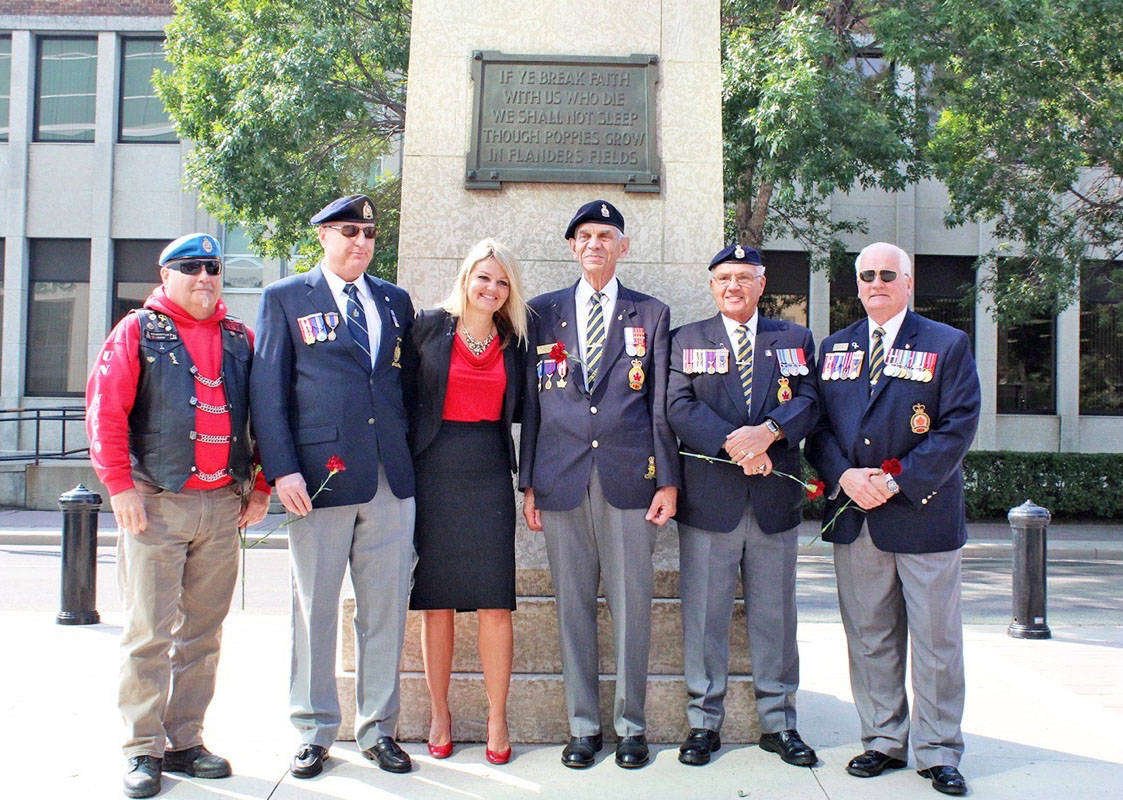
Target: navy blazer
[621, 430]
[428, 351]
[313, 401]
[860, 428]
[703, 408]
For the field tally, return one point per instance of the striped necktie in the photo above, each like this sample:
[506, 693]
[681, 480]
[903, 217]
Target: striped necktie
[357, 319]
[594, 338]
[877, 357]
[745, 363]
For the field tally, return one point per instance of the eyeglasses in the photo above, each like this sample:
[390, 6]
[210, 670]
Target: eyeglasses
[351, 231]
[740, 280]
[193, 266]
[886, 275]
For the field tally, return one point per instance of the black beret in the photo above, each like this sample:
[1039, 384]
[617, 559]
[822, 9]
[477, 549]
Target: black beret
[353, 208]
[738, 255]
[596, 211]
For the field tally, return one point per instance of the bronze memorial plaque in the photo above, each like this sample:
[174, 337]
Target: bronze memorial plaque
[563, 119]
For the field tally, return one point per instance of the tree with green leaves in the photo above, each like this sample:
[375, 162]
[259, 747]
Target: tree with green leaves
[288, 104]
[810, 108]
[1027, 102]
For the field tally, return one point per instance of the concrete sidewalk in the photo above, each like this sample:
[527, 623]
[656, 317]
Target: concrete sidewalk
[1066, 540]
[1041, 722]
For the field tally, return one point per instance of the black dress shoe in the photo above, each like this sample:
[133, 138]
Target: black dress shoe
[389, 756]
[581, 751]
[945, 779]
[790, 747]
[872, 763]
[631, 752]
[696, 750]
[143, 777]
[197, 761]
[308, 761]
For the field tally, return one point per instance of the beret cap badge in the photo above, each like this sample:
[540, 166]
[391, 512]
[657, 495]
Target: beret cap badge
[206, 245]
[604, 210]
[368, 212]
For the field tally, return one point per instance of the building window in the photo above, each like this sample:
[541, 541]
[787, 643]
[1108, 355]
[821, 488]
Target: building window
[1027, 367]
[136, 273]
[1101, 339]
[788, 275]
[67, 89]
[942, 290]
[58, 317]
[2, 262]
[5, 84]
[244, 268]
[142, 117]
[845, 307]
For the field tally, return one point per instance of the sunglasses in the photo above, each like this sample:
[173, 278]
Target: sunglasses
[193, 266]
[886, 275]
[351, 231]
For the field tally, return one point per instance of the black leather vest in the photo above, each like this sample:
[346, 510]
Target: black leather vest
[162, 423]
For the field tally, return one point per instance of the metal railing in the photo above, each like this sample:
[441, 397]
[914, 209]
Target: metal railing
[39, 418]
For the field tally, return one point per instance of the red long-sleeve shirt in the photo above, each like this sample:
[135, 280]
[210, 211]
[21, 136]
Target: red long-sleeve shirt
[111, 393]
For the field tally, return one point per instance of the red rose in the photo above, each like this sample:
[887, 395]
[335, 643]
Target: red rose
[816, 490]
[891, 466]
[335, 464]
[557, 352]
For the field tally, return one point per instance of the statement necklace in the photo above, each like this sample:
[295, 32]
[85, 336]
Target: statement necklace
[475, 345]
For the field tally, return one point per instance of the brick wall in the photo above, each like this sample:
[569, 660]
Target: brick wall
[129, 8]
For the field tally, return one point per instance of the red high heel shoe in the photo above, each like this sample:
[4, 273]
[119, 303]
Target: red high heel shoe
[494, 757]
[442, 750]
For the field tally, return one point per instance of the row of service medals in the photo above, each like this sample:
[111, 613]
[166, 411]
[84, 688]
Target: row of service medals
[913, 365]
[846, 366]
[318, 327]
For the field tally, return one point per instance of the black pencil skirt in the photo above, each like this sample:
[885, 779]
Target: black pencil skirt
[465, 530]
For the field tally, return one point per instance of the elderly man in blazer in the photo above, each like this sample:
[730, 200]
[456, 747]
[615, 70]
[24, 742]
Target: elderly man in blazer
[900, 395]
[740, 390]
[599, 469]
[327, 384]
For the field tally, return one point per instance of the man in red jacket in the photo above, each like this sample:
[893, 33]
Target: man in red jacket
[168, 423]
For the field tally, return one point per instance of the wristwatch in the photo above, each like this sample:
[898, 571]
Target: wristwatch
[773, 428]
[891, 484]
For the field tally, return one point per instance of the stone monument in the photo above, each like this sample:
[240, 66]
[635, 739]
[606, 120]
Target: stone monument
[518, 113]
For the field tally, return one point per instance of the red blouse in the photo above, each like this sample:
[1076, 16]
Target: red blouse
[475, 385]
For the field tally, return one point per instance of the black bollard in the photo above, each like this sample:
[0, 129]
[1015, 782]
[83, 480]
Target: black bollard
[78, 593]
[1029, 523]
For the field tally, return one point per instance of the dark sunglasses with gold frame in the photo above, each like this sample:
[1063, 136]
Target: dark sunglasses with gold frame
[351, 231]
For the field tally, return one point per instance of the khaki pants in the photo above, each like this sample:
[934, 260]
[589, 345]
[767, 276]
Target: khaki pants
[176, 579]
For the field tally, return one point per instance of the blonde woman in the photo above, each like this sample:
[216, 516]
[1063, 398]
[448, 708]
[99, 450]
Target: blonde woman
[466, 360]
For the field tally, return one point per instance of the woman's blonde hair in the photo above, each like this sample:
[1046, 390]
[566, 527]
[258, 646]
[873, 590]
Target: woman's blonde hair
[511, 318]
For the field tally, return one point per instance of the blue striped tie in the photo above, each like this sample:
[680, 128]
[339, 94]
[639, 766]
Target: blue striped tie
[357, 319]
[594, 338]
[745, 363]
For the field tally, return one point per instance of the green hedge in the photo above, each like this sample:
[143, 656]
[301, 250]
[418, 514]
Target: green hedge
[1082, 485]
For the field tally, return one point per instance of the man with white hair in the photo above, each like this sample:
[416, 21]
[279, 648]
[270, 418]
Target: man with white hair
[900, 398]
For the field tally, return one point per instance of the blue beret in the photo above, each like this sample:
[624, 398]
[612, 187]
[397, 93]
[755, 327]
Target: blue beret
[738, 255]
[600, 211]
[352, 208]
[193, 245]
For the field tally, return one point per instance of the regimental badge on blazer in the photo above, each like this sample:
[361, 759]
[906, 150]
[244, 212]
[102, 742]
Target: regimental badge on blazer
[635, 342]
[920, 422]
[650, 474]
[697, 360]
[635, 375]
[784, 393]
[313, 328]
[397, 362]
